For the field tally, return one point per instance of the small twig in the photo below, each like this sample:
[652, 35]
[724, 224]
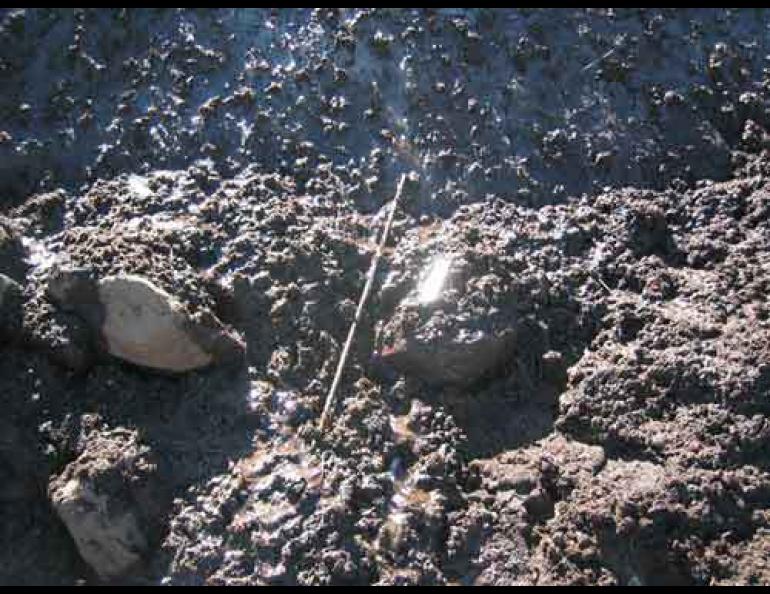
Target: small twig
[600, 280]
[604, 56]
[618, 43]
[330, 399]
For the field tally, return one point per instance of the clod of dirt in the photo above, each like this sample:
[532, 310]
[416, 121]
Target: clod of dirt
[43, 213]
[142, 324]
[639, 523]
[522, 489]
[106, 497]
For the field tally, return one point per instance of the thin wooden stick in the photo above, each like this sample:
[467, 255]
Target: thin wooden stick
[330, 398]
[600, 280]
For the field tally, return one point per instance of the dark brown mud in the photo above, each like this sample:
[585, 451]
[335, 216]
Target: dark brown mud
[562, 377]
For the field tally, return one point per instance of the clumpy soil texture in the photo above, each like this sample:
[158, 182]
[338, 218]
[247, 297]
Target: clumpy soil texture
[562, 375]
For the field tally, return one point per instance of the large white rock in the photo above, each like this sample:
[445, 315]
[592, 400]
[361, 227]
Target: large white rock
[111, 543]
[145, 325]
[109, 499]
[141, 323]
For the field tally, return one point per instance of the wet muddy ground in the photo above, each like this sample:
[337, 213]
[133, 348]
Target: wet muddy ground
[562, 377]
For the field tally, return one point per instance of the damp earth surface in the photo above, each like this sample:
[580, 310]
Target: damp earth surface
[562, 375]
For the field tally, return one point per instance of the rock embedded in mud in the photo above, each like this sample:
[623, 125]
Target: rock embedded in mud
[10, 309]
[449, 328]
[426, 337]
[11, 250]
[141, 323]
[108, 498]
[441, 359]
[488, 292]
[145, 325]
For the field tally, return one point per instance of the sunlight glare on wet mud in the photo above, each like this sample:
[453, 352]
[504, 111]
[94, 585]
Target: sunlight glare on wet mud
[435, 279]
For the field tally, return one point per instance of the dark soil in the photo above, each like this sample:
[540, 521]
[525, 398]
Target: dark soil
[585, 400]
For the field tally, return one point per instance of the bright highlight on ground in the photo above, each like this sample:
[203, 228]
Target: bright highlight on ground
[435, 278]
